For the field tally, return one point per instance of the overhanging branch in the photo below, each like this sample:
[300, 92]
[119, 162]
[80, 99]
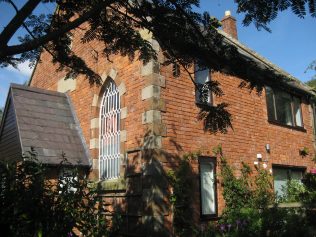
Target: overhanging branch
[17, 21]
[6, 51]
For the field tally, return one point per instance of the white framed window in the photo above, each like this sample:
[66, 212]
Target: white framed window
[207, 167]
[202, 93]
[109, 133]
[68, 180]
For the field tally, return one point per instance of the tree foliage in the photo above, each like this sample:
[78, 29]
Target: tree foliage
[312, 67]
[116, 23]
[185, 36]
[261, 13]
[33, 205]
[182, 181]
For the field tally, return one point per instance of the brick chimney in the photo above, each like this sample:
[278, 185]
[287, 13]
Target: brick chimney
[229, 25]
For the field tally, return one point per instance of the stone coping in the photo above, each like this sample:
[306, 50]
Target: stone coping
[109, 185]
[290, 205]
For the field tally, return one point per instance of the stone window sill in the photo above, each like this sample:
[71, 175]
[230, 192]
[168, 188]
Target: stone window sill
[109, 185]
[302, 129]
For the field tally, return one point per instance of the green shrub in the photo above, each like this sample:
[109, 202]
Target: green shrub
[31, 205]
[292, 192]
[182, 182]
[251, 208]
[309, 194]
[245, 199]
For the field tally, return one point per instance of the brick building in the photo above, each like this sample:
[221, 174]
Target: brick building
[141, 121]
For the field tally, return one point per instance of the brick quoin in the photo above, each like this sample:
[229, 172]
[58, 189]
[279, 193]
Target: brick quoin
[179, 129]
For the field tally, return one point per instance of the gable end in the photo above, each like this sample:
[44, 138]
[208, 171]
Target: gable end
[10, 146]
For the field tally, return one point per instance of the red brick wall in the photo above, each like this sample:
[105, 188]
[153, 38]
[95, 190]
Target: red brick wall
[251, 129]
[128, 72]
[46, 76]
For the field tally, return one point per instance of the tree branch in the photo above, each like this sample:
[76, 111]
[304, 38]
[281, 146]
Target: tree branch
[33, 44]
[31, 34]
[126, 15]
[197, 30]
[17, 21]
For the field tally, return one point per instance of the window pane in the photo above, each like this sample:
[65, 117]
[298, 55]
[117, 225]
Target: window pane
[283, 108]
[202, 94]
[280, 177]
[109, 134]
[270, 104]
[296, 175]
[207, 188]
[297, 111]
[176, 70]
[201, 75]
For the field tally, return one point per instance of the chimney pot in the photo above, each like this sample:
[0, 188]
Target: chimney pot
[229, 25]
[227, 13]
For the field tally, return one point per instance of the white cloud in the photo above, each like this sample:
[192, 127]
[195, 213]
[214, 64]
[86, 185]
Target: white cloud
[23, 69]
[11, 75]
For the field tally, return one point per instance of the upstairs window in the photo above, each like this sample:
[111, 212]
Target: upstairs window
[176, 70]
[284, 108]
[202, 93]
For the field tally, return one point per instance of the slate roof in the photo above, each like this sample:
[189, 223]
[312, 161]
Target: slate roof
[262, 62]
[46, 121]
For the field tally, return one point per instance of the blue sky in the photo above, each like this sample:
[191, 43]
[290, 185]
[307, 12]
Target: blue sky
[9, 74]
[291, 45]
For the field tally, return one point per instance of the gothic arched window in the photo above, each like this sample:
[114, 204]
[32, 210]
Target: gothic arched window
[109, 134]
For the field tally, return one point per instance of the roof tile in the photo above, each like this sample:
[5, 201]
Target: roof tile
[47, 123]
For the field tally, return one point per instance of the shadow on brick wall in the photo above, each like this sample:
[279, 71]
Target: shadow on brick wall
[146, 210]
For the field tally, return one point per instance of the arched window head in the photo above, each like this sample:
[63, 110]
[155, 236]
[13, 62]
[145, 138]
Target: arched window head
[109, 134]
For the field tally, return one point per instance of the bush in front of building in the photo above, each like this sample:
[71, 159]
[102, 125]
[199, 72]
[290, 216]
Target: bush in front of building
[182, 183]
[32, 204]
[252, 209]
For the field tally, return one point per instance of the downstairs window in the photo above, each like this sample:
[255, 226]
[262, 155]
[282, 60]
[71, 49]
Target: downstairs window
[207, 166]
[282, 175]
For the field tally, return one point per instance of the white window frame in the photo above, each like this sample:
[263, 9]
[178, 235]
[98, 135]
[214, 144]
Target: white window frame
[208, 201]
[201, 77]
[109, 133]
[67, 176]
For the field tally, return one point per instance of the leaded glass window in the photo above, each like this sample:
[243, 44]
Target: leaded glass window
[109, 134]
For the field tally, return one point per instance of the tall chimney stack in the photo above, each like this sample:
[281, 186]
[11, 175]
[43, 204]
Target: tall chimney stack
[229, 25]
